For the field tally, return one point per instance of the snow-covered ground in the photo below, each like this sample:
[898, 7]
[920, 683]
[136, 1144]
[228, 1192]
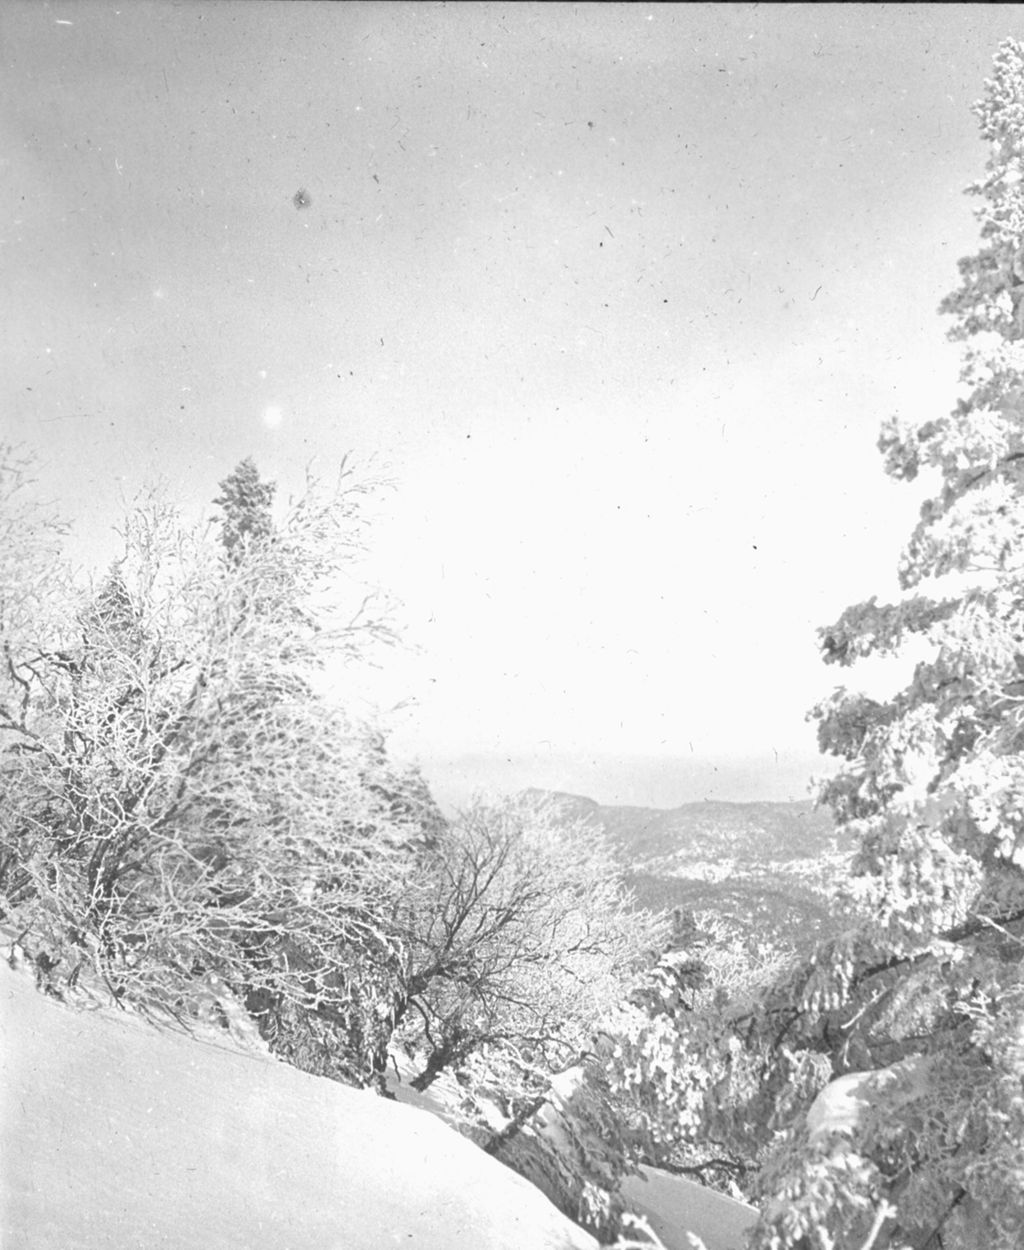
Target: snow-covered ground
[117, 1135]
[675, 1207]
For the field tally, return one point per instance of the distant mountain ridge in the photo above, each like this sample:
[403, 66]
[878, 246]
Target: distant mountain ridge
[758, 831]
[771, 867]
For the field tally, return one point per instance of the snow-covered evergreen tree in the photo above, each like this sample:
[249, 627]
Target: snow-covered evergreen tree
[245, 502]
[919, 1005]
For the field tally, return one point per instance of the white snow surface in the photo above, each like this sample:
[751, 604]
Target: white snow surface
[675, 1207]
[117, 1135]
[840, 1106]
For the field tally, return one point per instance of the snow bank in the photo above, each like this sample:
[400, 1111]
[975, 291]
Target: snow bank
[840, 1106]
[115, 1134]
[675, 1207]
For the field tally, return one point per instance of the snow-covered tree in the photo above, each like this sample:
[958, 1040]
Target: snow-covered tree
[518, 938]
[930, 990]
[181, 797]
[918, 1006]
[927, 990]
[245, 502]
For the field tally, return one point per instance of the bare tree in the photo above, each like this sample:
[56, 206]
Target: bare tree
[519, 938]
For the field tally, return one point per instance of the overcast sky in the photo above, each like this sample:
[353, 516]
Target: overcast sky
[619, 293]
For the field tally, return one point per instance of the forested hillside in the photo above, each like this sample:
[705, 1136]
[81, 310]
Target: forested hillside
[770, 869]
[749, 832]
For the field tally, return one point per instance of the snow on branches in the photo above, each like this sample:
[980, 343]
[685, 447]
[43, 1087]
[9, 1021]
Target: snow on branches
[922, 995]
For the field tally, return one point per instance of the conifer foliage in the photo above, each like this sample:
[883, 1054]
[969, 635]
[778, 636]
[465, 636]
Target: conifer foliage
[924, 996]
[246, 503]
[918, 1006]
[928, 991]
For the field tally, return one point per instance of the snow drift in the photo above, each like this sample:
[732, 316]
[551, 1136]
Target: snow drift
[675, 1207]
[114, 1133]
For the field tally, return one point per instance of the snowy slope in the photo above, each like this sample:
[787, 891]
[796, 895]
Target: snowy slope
[675, 1206]
[115, 1135]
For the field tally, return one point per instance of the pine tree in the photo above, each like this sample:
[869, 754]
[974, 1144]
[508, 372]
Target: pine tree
[918, 1006]
[246, 503]
[926, 991]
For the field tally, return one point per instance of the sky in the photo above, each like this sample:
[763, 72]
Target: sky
[617, 296]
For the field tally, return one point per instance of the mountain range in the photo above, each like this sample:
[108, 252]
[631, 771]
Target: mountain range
[771, 869]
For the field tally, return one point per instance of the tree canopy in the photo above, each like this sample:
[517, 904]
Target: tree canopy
[183, 801]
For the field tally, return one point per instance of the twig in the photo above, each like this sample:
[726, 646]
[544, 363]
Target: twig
[881, 1215]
